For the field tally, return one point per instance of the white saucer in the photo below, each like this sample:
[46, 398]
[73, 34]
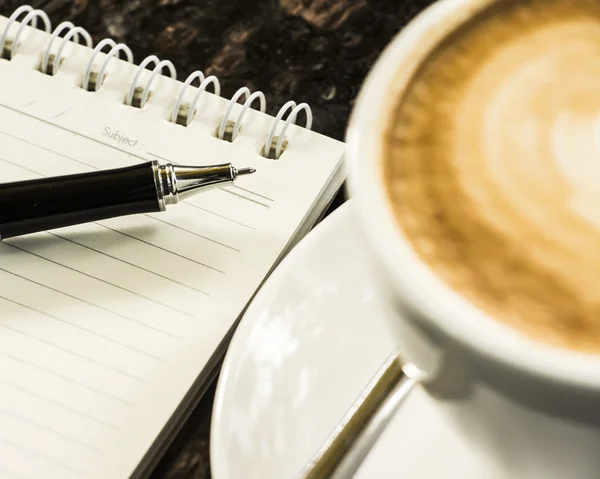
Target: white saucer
[307, 345]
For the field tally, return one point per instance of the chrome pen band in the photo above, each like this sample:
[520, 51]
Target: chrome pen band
[158, 184]
[174, 183]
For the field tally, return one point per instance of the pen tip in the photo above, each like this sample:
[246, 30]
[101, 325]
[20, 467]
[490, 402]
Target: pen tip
[246, 171]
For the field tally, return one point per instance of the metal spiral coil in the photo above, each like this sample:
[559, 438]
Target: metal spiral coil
[138, 96]
[275, 145]
[8, 47]
[139, 92]
[50, 61]
[228, 130]
[92, 80]
[183, 113]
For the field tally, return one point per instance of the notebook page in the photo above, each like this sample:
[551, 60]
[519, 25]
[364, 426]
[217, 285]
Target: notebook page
[105, 326]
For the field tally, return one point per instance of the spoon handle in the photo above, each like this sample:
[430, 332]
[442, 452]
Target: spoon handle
[346, 448]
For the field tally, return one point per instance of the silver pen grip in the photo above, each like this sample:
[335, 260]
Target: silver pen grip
[174, 183]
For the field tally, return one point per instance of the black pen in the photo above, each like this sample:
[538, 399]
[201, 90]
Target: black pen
[43, 204]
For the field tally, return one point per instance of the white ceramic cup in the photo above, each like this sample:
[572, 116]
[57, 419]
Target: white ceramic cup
[534, 408]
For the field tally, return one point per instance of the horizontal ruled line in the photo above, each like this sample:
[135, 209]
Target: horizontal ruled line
[188, 203]
[253, 192]
[199, 235]
[162, 158]
[19, 166]
[128, 263]
[41, 456]
[81, 328]
[151, 328]
[96, 278]
[163, 249]
[74, 353]
[60, 405]
[62, 435]
[44, 148]
[78, 354]
[225, 190]
[67, 379]
[11, 474]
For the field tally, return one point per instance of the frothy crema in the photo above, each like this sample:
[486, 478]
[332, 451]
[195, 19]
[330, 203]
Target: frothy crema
[492, 163]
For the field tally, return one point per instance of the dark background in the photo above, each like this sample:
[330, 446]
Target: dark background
[314, 51]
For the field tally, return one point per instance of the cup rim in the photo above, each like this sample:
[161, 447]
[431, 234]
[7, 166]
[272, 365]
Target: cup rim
[413, 282]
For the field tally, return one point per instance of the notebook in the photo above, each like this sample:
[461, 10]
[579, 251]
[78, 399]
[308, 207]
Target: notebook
[109, 331]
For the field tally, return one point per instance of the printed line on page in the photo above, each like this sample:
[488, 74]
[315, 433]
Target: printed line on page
[41, 456]
[74, 353]
[225, 190]
[254, 193]
[49, 429]
[128, 263]
[4, 160]
[161, 158]
[163, 249]
[81, 328]
[98, 279]
[199, 235]
[60, 405]
[45, 149]
[128, 235]
[144, 325]
[11, 474]
[67, 379]
[188, 203]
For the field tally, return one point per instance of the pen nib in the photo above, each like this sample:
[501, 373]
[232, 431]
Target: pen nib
[245, 171]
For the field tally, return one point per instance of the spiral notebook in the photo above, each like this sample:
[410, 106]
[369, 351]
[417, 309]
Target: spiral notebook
[109, 331]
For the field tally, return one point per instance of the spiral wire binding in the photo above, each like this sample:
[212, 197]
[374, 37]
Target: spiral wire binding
[93, 80]
[137, 96]
[233, 128]
[7, 51]
[184, 114]
[56, 59]
[291, 118]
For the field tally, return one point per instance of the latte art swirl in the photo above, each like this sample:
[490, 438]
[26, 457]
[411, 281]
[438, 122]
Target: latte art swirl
[492, 163]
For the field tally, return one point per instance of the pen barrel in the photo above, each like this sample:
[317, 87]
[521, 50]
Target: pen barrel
[48, 203]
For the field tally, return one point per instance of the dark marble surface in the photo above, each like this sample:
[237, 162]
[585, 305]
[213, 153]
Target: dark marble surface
[317, 51]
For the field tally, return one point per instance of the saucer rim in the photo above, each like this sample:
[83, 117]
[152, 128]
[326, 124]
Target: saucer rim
[340, 214]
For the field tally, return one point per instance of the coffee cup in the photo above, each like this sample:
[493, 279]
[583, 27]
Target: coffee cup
[531, 405]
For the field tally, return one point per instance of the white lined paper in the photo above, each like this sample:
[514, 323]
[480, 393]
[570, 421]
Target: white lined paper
[104, 327]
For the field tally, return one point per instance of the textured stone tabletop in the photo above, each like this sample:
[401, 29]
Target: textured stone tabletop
[314, 51]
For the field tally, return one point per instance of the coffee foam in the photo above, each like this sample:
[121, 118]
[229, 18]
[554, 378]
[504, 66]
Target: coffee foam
[492, 160]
